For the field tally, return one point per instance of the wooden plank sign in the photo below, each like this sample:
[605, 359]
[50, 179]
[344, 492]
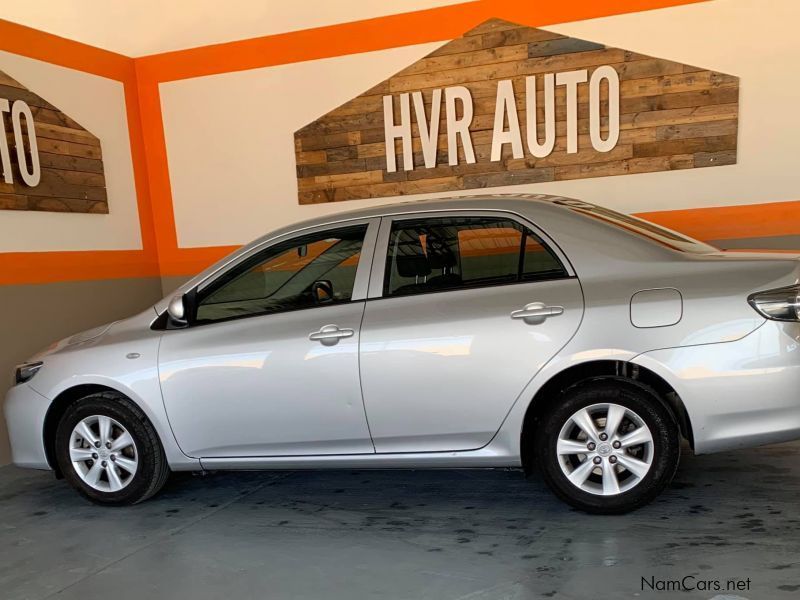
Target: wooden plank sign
[47, 160]
[507, 104]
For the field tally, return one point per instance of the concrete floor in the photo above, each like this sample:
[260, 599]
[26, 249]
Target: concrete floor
[415, 535]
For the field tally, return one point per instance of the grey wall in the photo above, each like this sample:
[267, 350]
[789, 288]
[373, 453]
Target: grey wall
[170, 283]
[33, 316]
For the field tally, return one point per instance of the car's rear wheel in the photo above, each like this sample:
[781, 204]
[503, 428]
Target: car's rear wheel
[608, 446]
[108, 450]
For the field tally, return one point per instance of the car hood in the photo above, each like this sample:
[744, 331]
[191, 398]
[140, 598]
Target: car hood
[74, 340]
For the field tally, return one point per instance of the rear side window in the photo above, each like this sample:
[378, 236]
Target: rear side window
[427, 255]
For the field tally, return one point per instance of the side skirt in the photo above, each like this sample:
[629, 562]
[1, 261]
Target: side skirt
[483, 458]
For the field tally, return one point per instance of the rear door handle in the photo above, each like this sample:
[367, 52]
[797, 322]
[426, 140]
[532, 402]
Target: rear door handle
[536, 312]
[330, 334]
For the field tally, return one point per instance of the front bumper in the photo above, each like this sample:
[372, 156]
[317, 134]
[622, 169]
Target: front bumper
[25, 411]
[737, 394]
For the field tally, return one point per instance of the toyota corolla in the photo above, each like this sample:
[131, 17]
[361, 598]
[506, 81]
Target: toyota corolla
[504, 331]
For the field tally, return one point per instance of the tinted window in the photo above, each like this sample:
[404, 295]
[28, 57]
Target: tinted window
[283, 277]
[448, 253]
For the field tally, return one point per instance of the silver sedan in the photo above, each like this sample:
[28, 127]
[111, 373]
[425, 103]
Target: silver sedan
[501, 331]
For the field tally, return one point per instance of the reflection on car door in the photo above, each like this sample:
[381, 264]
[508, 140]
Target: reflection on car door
[463, 313]
[269, 363]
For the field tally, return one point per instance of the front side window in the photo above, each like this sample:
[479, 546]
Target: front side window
[427, 255]
[312, 270]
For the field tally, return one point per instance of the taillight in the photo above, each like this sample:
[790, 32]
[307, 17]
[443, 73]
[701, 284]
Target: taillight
[782, 304]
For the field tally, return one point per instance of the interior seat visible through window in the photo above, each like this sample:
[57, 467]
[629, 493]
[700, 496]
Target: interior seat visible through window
[427, 255]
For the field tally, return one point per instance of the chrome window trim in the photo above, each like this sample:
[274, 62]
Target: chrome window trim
[382, 246]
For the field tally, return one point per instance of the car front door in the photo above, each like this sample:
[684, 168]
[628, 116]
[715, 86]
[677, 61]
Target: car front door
[268, 364]
[465, 308]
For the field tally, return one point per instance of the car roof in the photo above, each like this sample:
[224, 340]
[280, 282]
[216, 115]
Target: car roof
[506, 202]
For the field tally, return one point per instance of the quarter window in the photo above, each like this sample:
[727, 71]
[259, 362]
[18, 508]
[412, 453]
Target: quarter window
[313, 270]
[427, 255]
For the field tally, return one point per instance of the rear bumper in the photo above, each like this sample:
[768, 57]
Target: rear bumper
[25, 411]
[737, 394]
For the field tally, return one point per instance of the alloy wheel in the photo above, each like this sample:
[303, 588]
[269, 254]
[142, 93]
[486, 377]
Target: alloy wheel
[605, 449]
[103, 453]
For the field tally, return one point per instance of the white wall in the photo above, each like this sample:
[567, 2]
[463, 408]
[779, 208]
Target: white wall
[230, 140]
[98, 104]
[153, 26]
[230, 137]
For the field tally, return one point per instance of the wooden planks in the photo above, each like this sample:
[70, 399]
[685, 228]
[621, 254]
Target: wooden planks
[70, 158]
[672, 116]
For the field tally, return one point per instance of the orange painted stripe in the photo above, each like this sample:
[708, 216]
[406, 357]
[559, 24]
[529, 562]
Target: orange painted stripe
[56, 50]
[380, 33]
[732, 222]
[165, 238]
[322, 42]
[141, 179]
[49, 267]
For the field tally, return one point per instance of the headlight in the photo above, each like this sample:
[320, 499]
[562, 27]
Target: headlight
[26, 371]
[779, 305]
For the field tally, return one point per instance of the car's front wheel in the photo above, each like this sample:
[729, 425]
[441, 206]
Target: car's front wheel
[108, 450]
[608, 446]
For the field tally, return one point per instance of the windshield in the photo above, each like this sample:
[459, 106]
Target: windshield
[651, 231]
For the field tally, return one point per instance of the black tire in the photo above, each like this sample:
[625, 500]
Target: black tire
[152, 470]
[634, 396]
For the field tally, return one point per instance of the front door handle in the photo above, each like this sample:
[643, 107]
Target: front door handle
[330, 334]
[537, 312]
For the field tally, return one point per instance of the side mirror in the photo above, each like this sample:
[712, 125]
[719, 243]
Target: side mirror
[177, 310]
[322, 291]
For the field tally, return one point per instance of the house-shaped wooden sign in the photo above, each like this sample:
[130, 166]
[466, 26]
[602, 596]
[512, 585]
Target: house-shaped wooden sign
[507, 104]
[48, 162]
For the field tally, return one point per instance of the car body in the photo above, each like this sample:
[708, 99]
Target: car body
[432, 370]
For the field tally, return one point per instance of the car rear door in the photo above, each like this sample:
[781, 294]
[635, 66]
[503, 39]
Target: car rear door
[464, 309]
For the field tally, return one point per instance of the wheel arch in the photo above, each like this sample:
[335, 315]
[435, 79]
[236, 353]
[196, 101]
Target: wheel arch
[594, 370]
[59, 406]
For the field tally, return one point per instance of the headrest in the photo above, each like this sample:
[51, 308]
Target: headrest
[413, 266]
[410, 259]
[440, 256]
